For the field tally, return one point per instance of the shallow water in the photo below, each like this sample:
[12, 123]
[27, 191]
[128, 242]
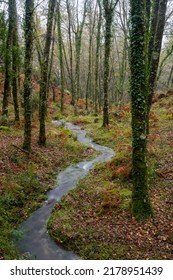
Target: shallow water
[36, 242]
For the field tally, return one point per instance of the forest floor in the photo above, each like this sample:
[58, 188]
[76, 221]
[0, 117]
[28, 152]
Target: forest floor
[25, 180]
[94, 220]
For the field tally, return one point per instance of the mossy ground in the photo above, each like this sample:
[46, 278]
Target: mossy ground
[25, 180]
[94, 220]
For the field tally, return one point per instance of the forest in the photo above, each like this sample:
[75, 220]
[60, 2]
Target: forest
[86, 139]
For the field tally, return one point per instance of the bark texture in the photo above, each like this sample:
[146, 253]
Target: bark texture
[109, 7]
[141, 206]
[15, 63]
[44, 75]
[7, 64]
[29, 29]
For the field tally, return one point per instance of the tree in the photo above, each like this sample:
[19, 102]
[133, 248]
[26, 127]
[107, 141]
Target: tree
[78, 39]
[29, 29]
[70, 50]
[147, 25]
[44, 74]
[11, 64]
[15, 61]
[3, 37]
[51, 79]
[91, 24]
[98, 42]
[141, 206]
[122, 50]
[109, 7]
[157, 18]
[7, 64]
[60, 41]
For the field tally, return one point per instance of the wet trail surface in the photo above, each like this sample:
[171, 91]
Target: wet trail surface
[35, 241]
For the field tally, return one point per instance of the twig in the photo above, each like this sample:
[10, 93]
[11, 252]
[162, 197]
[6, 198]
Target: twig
[22, 150]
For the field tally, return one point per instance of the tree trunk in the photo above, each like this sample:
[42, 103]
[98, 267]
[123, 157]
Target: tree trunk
[44, 75]
[157, 28]
[7, 64]
[108, 15]
[78, 41]
[29, 28]
[60, 54]
[89, 73]
[122, 67]
[15, 61]
[71, 52]
[98, 42]
[51, 57]
[141, 206]
[91, 32]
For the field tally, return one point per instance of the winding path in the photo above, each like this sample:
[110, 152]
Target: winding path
[35, 241]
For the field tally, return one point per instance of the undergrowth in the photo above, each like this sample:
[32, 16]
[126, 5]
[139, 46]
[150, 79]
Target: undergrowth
[94, 220]
[25, 180]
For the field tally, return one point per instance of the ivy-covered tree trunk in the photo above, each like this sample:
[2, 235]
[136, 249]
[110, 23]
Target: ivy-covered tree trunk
[7, 64]
[141, 206]
[98, 42]
[29, 29]
[60, 54]
[15, 62]
[109, 7]
[44, 75]
[70, 51]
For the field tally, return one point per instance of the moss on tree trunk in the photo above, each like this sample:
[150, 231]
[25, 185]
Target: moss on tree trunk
[15, 62]
[44, 75]
[141, 206]
[98, 43]
[60, 41]
[109, 7]
[7, 65]
[29, 8]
